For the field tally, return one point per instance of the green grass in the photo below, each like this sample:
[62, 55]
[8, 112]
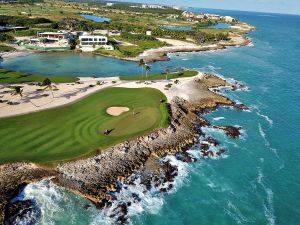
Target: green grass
[4, 48]
[187, 73]
[131, 51]
[76, 130]
[8, 77]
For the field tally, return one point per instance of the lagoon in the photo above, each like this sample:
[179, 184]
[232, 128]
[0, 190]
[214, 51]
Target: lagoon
[177, 28]
[98, 19]
[71, 64]
[220, 26]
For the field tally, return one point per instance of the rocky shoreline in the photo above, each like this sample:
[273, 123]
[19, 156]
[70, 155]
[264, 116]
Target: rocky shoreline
[97, 178]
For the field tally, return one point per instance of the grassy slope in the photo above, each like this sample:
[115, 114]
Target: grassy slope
[187, 73]
[76, 130]
[19, 77]
[4, 48]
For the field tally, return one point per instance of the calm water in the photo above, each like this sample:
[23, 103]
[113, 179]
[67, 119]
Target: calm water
[258, 180]
[221, 26]
[177, 28]
[98, 19]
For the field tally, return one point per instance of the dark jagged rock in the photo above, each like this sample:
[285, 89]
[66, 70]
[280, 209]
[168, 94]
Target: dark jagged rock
[25, 212]
[241, 107]
[185, 157]
[231, 131]
[212, 141]
[95, 177]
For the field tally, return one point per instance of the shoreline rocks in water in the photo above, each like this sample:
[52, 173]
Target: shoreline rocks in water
[100, 177]
[230, 131]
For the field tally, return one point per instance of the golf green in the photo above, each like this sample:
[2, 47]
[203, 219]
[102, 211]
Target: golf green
[76, 130]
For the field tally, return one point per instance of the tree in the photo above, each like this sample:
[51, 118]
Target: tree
[167, 71]
[47, 82]
[17, 90]
[142, 64]
[147, 68]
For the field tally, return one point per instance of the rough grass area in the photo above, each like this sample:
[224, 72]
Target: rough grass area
[8, 77]
[76, 130]
[187, 73]
[4, 48]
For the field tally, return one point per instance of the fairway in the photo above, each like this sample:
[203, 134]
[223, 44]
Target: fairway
[72, 131]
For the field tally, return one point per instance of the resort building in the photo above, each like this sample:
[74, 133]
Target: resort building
[187, 14]
[107, 32]
[144, 6]
[228, 19]
[51, 40]
[94, 42]
[63, 36]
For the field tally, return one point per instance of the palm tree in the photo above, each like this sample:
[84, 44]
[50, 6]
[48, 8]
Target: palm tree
[142, 64]
[17, 90]
[167, 71]
[147, 68]
[47, 82]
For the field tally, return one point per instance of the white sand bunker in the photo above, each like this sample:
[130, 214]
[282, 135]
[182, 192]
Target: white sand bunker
[116, 111]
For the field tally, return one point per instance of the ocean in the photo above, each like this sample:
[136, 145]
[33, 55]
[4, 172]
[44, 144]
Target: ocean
[257, 180]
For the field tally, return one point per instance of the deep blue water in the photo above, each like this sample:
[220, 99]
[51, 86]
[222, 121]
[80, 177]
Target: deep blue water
[258, 180]
[98, 19]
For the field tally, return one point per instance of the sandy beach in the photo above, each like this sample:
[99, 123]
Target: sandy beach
[36, 98]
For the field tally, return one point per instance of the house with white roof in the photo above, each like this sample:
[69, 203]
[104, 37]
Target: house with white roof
[94, 42]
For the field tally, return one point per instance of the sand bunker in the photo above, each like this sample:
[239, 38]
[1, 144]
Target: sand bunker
[116, 111]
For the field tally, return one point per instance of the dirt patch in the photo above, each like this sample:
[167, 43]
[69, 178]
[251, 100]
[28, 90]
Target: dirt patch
[116, 111]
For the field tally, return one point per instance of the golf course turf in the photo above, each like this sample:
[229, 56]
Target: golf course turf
[76, 130]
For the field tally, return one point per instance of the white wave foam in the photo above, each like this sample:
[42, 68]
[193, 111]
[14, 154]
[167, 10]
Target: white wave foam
[219, 118]
[267, 205]
[263, 135]
[150, 201]
[270, 121]
[235, 213]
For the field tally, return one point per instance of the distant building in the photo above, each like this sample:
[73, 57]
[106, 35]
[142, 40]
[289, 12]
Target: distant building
[149, 32]
[187, 14]
[173, 16]
[200, 16]
[144, 6]
[107, 32]
[228, 19]
[110, 4]
[177, 7]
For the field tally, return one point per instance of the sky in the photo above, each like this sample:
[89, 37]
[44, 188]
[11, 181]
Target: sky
[274, 6]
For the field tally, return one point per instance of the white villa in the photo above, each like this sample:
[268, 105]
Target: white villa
[94, 42]
[51, 40]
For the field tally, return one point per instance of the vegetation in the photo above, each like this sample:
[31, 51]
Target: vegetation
[19, 77]
[202, 37]
[76, 130]
[6, 37]
[21, 21]
[162, 11]
[139, 43]
[4, 48]
[176, 34]
[176, 75]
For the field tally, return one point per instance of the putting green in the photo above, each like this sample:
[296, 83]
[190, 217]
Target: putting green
[76, 130]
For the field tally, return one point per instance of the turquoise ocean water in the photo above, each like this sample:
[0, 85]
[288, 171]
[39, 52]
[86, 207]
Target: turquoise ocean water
[258, 180]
